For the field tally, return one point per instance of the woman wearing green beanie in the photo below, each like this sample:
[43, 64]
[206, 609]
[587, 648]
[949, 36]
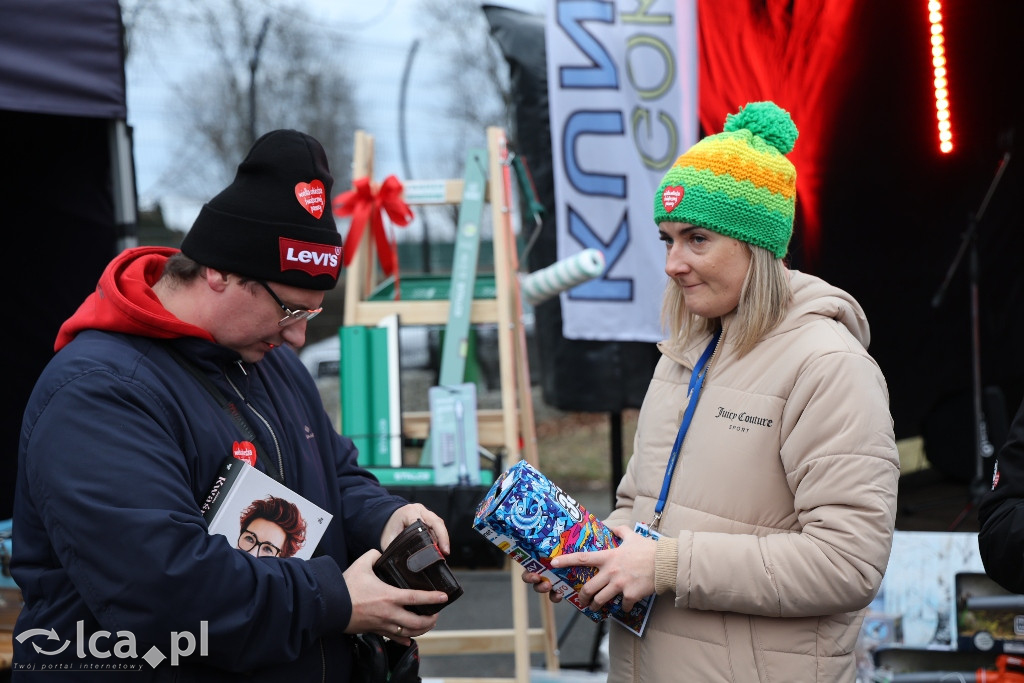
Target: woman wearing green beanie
[764, 457]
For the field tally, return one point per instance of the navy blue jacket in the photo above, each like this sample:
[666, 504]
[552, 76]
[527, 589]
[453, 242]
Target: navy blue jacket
[119, 448]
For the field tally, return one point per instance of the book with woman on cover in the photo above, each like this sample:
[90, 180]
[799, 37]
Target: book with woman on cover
[260, 515]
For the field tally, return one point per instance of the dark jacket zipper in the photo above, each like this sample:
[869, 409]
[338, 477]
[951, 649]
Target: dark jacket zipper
[266, 423]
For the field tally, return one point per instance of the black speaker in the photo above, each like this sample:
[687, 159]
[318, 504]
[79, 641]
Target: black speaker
[948, 433]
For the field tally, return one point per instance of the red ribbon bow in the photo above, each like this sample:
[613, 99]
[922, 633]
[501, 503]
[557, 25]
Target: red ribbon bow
[363, 203]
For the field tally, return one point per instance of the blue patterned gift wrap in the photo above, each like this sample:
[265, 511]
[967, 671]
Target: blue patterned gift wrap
[532, 520]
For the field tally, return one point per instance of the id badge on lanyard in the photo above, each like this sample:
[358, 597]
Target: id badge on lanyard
[646, 531]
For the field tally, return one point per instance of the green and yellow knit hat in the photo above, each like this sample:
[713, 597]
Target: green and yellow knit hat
[738, 182]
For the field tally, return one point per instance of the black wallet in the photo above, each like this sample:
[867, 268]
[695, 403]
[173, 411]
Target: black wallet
[413, 560]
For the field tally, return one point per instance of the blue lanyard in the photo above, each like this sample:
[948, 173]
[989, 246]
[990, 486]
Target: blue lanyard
[692, 394]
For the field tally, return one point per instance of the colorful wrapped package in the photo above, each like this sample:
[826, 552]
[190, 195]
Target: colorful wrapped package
[532, 520]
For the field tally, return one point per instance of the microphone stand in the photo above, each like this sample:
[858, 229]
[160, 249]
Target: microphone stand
[983, 448]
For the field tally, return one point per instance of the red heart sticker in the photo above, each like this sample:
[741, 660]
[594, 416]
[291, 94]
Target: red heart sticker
[671, 196]
[311, 197]
[244, 451]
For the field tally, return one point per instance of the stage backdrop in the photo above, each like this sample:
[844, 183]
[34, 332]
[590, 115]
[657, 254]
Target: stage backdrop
[880, 212]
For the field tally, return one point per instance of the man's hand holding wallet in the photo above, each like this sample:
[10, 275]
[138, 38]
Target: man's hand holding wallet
[414, 561]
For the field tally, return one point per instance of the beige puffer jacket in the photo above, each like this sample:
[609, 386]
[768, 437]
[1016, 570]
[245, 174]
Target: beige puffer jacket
[781, 511]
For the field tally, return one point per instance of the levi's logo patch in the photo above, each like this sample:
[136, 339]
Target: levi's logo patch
[671, 196]
[311, 197]
[310, 257]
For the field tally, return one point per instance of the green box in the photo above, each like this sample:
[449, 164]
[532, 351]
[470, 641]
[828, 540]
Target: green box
[364, 392]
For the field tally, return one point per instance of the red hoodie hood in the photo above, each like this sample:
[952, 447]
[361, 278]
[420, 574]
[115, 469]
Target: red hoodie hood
[124, 301]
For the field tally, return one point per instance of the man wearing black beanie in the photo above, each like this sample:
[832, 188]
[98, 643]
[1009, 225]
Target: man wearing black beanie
[178, 360]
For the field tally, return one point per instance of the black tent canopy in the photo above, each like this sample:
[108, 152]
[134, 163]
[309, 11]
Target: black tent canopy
[67, 203]
[62, 57]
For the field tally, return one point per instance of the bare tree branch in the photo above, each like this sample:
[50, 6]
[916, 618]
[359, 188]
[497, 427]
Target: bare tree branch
[290, 77]
[475, 73]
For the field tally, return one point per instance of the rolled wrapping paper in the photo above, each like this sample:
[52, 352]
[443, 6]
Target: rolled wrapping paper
[562, 275]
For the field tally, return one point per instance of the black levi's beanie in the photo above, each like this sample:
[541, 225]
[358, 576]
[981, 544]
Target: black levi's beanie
[274, 221]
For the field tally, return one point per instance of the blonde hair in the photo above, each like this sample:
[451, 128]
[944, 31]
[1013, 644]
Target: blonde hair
[764, 300]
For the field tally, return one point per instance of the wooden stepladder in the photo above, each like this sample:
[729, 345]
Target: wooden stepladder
[511, 427]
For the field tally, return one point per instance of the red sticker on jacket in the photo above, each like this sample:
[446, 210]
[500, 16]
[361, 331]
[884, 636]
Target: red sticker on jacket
[244, 451]
[671, 196]
[311, 197]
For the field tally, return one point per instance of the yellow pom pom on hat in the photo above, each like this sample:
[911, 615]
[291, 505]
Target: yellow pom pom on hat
[739, 182]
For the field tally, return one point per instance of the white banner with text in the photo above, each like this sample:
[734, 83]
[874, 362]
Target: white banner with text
[622, 90]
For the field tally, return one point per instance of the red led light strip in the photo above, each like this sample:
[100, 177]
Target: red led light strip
[942, 114]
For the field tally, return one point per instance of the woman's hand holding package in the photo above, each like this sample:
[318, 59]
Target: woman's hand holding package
[627, 569]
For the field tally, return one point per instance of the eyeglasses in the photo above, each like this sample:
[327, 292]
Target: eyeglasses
[290, 316]
[247, 540]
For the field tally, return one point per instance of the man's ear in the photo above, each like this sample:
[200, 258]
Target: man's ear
[217, 280]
